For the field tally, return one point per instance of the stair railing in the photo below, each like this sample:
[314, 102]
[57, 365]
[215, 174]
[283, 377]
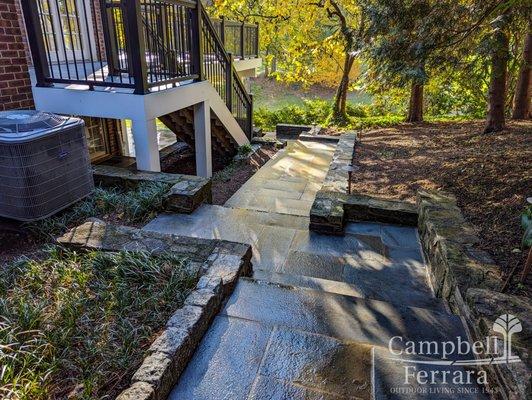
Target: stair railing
[216, 66]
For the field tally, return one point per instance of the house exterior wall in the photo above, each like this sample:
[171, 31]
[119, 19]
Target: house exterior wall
[15, 84]
[113, 129]
[98, 27]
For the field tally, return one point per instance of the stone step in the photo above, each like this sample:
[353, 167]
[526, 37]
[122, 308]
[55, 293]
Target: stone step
[243, 359]
[342, 317]
[217, 222]
[362, 288]
[212, 220]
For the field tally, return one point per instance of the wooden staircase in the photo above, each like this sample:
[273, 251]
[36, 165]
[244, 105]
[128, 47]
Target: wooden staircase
[181, 122]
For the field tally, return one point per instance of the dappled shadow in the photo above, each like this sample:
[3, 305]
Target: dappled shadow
[489, 174]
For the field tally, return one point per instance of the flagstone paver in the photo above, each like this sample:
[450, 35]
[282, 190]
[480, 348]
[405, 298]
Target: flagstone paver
[303, 327]
[288, 182]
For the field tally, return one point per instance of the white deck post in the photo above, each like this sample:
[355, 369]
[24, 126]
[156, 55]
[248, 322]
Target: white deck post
[202, 137]
[146, 146]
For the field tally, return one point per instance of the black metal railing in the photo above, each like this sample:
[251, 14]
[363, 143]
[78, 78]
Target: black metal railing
[218, 68]
[142, 45]
[239, 38]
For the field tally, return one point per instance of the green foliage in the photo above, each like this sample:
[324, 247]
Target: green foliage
[130, 206]
[376, 122]
[361, 116]
[88, 316]
[244, 150]
[312, 112]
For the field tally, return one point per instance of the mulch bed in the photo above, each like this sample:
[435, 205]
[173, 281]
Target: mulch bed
[227, 182]
[228, 177]
[491, 175]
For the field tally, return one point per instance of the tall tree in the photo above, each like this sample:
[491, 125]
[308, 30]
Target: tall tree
[350, 25]
[495, 120]
[521, 106]
[311, 41]
[407, 38]
[508, 16]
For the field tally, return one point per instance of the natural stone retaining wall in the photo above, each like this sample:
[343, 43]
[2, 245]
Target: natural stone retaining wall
[304, 133]
[289, 131]
[469, 280]
[186, 194]
[333, 206]
[448, 242]
[268, 141]
[222, 263]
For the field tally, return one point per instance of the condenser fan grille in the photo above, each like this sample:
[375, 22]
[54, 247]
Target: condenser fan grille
[16, 122]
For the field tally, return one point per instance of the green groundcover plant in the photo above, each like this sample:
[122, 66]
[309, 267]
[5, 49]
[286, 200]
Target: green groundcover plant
[77, 323]
[129, 206]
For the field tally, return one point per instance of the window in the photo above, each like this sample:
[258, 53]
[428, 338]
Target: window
[47, 26]
[68, 29]
[68, 12]
[96, 132]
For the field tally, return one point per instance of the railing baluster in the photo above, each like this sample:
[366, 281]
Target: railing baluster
[138, 52]
[72, 42]
[86, 18]
[257, 43]
[35, 39]
[242, 40]
[222, 30]
[229, 84]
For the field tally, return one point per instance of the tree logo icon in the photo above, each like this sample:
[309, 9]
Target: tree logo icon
[507, 325]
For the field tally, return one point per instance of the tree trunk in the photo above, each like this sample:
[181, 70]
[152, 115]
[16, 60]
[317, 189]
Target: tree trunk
[497, 92]
[339, 114]
[523, 89]
[415, 107]
[273, 67]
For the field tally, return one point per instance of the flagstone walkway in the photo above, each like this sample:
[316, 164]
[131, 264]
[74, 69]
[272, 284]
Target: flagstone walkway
[315, 320]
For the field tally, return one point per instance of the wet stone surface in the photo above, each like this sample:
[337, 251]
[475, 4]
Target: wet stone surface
[318, 362]
[303, 326]
[342, 317]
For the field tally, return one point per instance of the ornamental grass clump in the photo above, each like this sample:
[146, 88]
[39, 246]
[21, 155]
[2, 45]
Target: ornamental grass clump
[125, 206]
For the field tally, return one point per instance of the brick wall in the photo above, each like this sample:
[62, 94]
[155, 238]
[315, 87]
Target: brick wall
[113, 132]
[15, 85]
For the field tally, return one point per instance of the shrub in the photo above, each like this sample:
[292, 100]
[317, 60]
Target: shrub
[357, 110]
[317, 112]
[244, 150]
[376, 122]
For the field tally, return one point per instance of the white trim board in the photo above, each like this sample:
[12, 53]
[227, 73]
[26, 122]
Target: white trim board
[123, 105]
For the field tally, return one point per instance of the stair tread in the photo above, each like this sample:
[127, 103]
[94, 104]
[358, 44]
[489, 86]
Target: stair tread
[342, 317]
[241, 359]
[357, 289]
[207, 218]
